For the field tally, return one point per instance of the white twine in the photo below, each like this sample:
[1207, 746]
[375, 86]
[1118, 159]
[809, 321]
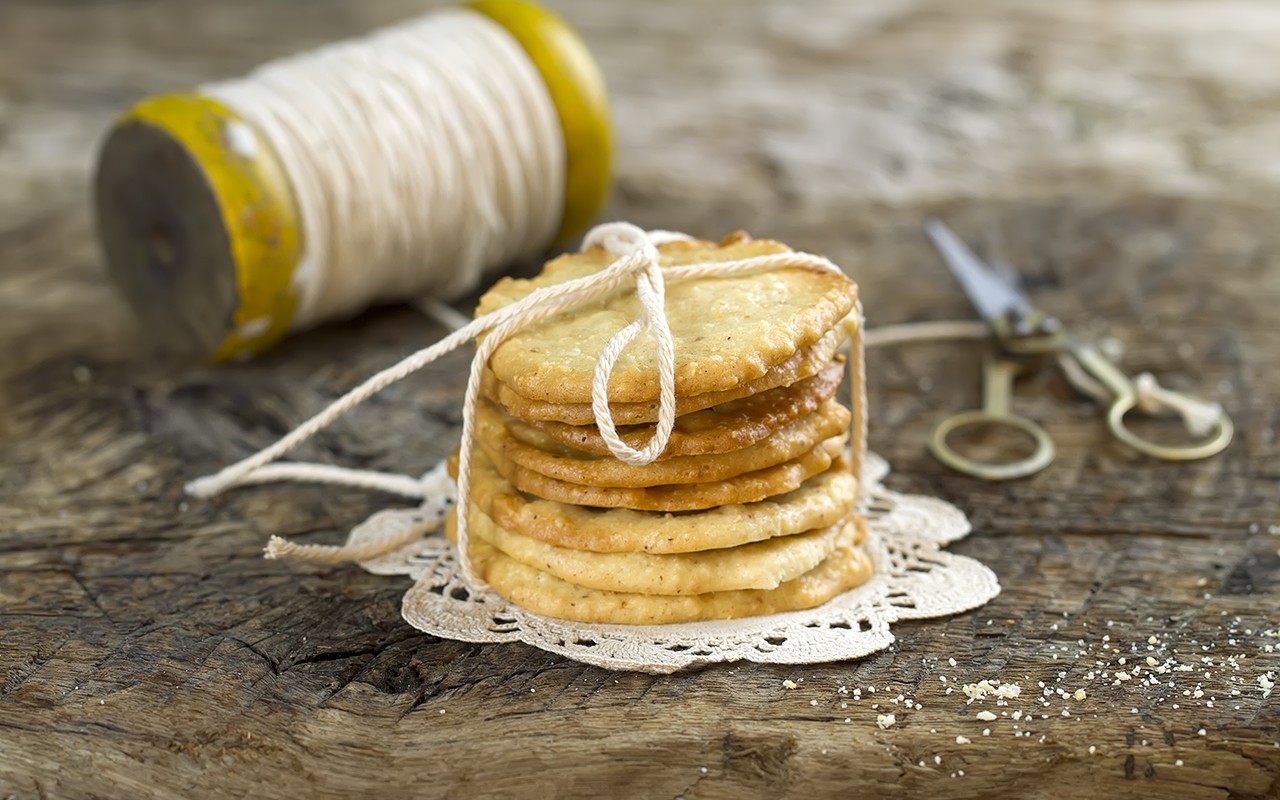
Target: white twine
[652, 295]
[637, 261]
[419, 157]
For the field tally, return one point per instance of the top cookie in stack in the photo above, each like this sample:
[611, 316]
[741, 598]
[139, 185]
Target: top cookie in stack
[749, 510]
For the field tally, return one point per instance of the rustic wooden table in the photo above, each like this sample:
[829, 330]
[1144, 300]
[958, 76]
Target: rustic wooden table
[1126, 152]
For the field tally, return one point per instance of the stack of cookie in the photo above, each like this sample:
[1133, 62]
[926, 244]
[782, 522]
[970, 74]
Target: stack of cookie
[748, 511]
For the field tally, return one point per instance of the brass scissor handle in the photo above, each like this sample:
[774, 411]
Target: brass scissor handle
[997, 391]
[1126, 399]
[1214, 443]
[998, 374]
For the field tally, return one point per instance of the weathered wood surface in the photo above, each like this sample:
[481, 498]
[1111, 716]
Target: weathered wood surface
[1125, 150]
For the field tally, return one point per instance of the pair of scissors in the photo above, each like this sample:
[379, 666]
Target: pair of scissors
[1024, 338]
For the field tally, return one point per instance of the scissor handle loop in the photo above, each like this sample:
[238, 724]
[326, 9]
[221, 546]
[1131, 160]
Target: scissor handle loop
[1214, 443]
[944, 452]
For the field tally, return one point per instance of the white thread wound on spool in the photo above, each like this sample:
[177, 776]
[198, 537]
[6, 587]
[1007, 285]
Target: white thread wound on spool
[419, 156]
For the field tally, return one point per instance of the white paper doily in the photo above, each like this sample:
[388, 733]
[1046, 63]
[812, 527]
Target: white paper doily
[914, 579]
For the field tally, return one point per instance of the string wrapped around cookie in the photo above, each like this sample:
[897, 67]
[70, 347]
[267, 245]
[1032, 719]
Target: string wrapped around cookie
[636, 261]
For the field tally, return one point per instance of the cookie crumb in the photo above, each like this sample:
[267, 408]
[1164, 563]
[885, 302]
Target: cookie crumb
[986, 688]
[885, 720]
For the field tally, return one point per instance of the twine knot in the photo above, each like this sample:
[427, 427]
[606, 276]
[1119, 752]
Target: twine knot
[637, 252]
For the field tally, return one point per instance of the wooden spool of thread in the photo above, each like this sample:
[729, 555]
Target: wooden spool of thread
[200, 218]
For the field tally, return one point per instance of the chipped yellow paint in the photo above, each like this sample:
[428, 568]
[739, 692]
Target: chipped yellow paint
[258, 212]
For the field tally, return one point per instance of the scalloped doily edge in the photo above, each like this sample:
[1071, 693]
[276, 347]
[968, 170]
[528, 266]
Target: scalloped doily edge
[915, 578]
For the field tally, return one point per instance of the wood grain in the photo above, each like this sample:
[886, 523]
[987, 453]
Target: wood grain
[1123, 150]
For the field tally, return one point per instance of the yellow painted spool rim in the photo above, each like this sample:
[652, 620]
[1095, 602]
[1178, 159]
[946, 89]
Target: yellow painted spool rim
[577, 88]
[257, 209]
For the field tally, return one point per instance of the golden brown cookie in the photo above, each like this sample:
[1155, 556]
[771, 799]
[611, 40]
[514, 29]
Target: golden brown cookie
[819, 502]
[531, 448]
[727, 330]
[802, 364]
[763, 565]
[543, 593]
[746, 488]
[729, 426]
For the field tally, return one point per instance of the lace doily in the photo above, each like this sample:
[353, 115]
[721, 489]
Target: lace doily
[914, 579]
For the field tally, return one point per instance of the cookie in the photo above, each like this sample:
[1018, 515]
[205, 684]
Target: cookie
[544, 593]
[819, 502]
[746, 488]
[803, 364]
[727, 330]
[530, 448]
[722, 428]
[763, 565]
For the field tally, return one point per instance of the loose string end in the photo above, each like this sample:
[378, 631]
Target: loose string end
[278, 548]
[1199, 416]
[204, 487]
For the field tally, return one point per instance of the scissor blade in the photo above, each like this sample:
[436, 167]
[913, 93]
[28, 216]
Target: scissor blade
[993, 295]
